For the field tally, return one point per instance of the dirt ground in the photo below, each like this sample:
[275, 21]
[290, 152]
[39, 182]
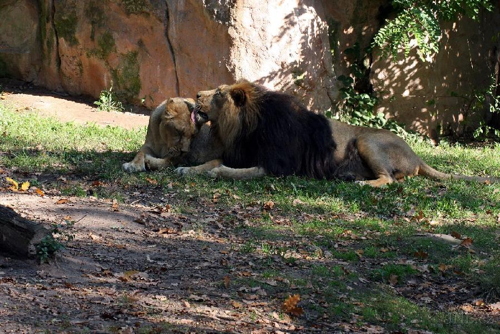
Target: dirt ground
[68, 109]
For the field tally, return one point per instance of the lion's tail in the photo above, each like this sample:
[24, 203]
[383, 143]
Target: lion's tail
[430, 172]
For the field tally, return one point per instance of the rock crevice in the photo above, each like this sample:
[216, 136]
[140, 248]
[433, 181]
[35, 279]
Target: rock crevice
[171, 48]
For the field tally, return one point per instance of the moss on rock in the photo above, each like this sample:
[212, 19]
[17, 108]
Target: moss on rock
[65, 22]
[135, 6]
[96, 16]
[106, 44]
[127, 76]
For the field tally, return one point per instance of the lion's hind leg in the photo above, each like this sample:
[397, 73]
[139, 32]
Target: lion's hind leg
[377, 161]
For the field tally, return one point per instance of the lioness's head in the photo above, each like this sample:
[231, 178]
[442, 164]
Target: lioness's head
[229, 107]
[178, 108]
[177, 126]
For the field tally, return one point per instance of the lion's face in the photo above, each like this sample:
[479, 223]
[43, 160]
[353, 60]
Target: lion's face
[210, 104]
[229, 108]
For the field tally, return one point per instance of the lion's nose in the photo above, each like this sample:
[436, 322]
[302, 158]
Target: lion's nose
[198, 96]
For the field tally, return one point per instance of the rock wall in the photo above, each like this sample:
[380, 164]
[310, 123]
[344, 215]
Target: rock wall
[436, 96]
[152, 49]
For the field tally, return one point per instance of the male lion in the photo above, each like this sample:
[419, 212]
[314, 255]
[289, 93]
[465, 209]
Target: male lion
[267, 132]
[173, 137]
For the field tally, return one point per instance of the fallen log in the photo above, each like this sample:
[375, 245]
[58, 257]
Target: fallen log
[18, 235]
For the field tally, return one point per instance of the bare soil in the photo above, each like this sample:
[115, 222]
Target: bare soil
[24, 96]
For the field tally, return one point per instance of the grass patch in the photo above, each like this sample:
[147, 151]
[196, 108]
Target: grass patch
[397, 313]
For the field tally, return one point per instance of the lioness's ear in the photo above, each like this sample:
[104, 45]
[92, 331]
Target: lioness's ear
[190, 104]
[239, 96]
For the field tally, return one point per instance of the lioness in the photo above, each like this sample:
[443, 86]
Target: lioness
[267, 132]
[174, 137]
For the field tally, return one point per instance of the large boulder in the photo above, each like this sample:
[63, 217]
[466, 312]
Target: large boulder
[152, 49]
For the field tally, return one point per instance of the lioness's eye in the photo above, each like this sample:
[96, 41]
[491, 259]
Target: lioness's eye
[218, 93]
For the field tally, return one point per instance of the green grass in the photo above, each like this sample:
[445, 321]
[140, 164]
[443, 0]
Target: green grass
[32, 143]
[339, 242]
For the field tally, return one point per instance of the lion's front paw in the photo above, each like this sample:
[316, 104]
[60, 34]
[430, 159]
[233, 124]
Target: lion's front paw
[214, 172]
[132, 168]
[183, 170]
[361, 183]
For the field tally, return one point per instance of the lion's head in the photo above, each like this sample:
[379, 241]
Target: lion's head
[230, 108]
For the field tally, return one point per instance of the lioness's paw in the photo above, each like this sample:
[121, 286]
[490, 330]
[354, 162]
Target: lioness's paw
[132, 168]
[183, 170]
[361, 183]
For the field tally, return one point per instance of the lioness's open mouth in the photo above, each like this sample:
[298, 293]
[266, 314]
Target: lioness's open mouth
[198, 116]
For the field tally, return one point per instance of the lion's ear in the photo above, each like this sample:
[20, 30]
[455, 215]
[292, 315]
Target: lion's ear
[239, 96]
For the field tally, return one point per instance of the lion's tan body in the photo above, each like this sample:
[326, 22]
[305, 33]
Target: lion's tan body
[172, 139]
[386, 157]
[370, 156]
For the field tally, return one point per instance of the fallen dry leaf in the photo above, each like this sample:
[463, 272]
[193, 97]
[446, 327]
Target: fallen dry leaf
[443, 267]
[62, 201]
[479, 302]
[227, 281]
[96, 184]
[216, 197]
[25, 186]
[128, 275]
[420, 216]
[39, 192]
[421, 255]
[359, 253]
[14, 185]
[114, 206]
[393, 279]
[290, 305]
[152, 181]
[269, 205]
[456, 235]
[467, 242]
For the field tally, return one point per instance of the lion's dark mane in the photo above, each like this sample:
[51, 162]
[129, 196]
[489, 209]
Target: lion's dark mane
[287, 140]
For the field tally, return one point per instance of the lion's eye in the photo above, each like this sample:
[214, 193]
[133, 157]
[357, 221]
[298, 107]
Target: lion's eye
[218, 93]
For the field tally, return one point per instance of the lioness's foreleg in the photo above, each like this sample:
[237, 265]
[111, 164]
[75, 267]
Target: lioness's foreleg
[156, 163]
[199, 169]
[137, 164]
[237, 173]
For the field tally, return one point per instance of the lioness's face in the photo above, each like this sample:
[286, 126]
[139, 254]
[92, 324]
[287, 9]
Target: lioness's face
[210, 103]
[177, 124]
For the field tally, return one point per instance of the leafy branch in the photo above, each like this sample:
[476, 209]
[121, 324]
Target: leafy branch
[417, 24]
